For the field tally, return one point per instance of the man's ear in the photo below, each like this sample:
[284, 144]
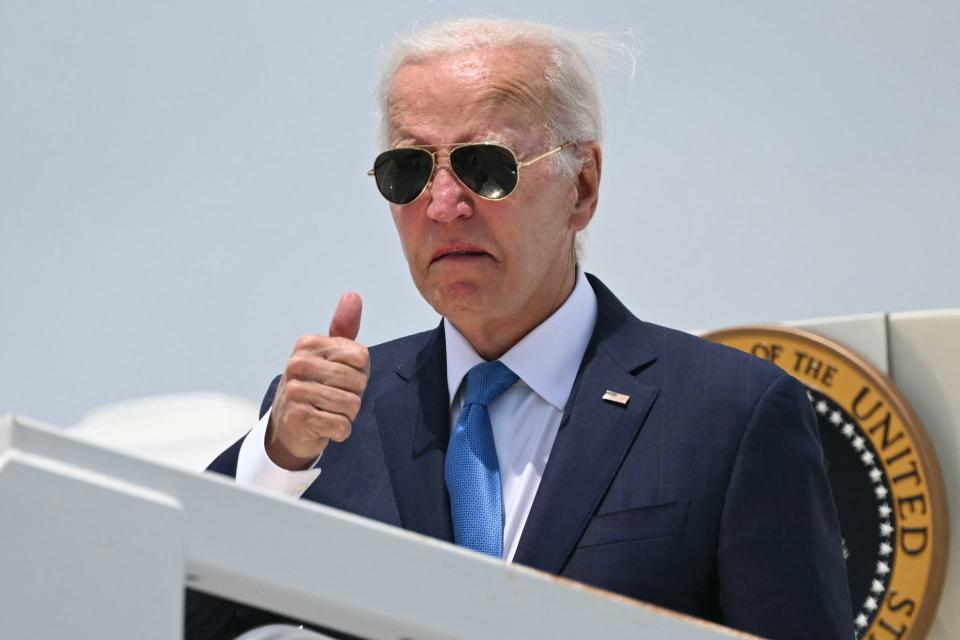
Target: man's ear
[587, 184]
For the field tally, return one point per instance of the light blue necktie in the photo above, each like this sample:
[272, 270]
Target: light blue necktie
[471, 470]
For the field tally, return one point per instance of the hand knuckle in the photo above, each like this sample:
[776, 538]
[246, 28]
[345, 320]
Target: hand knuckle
[296, 368]
[353, 405]
[295, 390]
[360, 360]
[359, 383]
[339, 428]
[304, 342]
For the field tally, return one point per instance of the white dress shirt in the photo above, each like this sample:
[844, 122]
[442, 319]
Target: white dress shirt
[525, 418]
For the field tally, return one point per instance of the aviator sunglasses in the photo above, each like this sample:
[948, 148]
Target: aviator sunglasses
[491, 171]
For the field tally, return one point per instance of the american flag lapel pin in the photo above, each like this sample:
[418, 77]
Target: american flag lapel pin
[614, 397]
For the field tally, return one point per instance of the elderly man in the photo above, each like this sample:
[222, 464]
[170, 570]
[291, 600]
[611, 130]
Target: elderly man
[542, 422]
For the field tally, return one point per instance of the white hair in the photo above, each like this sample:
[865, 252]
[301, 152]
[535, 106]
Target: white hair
[573, 103]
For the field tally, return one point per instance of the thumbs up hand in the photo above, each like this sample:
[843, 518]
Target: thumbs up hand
[319, 395]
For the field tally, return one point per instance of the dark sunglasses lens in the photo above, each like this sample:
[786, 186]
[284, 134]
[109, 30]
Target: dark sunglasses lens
[401, 174]
[486, 169]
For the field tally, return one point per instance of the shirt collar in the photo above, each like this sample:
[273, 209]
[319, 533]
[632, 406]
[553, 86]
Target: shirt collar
[546, 359]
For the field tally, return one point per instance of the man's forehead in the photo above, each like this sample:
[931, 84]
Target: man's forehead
[484, 63]
[506, 83]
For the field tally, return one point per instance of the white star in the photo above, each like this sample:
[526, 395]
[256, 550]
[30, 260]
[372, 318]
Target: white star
[875, 474]
[876, 587]
[861, 620]
[884, 510]
[870, 604]
[848, 430]
[858, 443]
[867, 457]
[885, 549]
[881, 492]
[821, 407]
[836, 418]
[883, 568]
[885, 529]
[809, 396]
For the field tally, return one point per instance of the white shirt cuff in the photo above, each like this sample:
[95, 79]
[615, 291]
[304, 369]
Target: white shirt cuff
[256, 469]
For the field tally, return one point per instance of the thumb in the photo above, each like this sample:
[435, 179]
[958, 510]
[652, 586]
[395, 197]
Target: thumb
[346, 318]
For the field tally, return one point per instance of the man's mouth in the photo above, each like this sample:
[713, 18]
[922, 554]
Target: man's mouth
[459, 253]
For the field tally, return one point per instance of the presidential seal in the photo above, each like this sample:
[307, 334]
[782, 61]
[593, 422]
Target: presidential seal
[884, 475]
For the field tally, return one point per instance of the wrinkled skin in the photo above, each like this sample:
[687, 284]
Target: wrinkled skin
[522, 264]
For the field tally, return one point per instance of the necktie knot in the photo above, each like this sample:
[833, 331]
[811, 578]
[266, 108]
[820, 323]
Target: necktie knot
[486, 381]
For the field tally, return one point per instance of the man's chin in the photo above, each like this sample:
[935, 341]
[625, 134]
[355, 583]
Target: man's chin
[458, 298]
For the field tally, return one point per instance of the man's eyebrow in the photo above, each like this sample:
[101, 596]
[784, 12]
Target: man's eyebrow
[403, 137]
[400, 132]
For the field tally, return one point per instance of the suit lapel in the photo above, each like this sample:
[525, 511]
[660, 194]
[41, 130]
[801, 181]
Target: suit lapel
[593, 438]
[414, 424]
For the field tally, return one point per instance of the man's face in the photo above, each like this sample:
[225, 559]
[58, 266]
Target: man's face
[488, 266]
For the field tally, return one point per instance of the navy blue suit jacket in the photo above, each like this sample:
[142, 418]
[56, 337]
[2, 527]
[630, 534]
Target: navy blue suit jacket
[706, 494]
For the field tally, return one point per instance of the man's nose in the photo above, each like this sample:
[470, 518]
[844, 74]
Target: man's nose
[449, 199]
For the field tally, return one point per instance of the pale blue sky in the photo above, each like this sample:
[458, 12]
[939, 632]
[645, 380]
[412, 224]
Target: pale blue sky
[183, 188]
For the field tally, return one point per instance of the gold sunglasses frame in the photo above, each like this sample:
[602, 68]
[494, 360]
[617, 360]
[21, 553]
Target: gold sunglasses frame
[433, 149]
